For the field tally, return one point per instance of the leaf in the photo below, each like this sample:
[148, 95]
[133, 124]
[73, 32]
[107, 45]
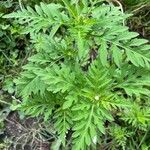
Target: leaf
[85, 128]
[30, 83]
[117, 55]
[127, 36]
[47, 114]
[67, 104]
[81, 134]
[54, 30]
[138, 59]
[70, 8]
[39, 10]
[103, 53]
[38, 105]
[138, 42]
[43, 17]
[62, 123]
[82, 47]
[46, 10]
[58, 79]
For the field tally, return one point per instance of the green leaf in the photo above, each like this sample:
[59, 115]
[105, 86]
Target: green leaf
[54, 30]
[103, 53]
[67, 104]
[138, 59]
[117, 55]
[82, 47]
[127, 36]
[138, 42]
[62, 123]
[30, 83]
[70, 8]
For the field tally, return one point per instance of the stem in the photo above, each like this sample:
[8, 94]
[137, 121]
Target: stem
[20, 5]
[143, 139]
[1, 101]
[6, 57]
[136, 10]
[134, 143]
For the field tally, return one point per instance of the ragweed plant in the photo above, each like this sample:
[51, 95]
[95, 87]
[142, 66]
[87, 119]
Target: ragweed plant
[87, 71]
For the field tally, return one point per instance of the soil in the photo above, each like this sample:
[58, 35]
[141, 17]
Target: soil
[24, 133]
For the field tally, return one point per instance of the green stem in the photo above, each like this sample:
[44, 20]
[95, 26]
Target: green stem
[6, 57]
[143, 139]
[1, 101]
[20, 5]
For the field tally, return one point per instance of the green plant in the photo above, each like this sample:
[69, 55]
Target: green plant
[140, 20]
[11, 53]
[135, 2]
[11, 46]
[120, 136]
[87, 71]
